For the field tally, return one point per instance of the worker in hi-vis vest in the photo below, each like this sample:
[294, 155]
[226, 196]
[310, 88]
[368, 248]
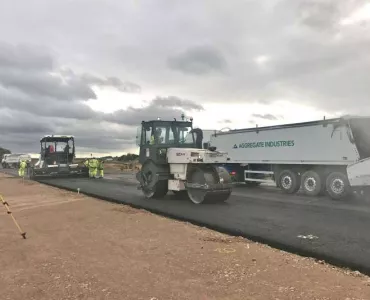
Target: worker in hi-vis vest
[101, 168]
[90, 165]
[22, 168]
[93, 167]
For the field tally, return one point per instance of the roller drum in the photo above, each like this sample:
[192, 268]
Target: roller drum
[213, 184]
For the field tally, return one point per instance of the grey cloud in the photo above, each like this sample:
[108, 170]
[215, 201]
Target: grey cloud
[164, 107]
[26, 121]
[101, 129]
[159, 107]
[304, 40]
[13, 122]
[318, 14]
[126, 87]
[24, 69]
[40, 84]
[101, 136]
[173, 101]
[198, 60]
[265, 116]
[25, 57]
[46, 106]
[21, 131]
[37, 98]
[33, 74]
[325, 14]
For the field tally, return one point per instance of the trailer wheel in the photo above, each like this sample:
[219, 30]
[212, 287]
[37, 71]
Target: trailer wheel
[337, 185]
[311, 183]
[289, 182]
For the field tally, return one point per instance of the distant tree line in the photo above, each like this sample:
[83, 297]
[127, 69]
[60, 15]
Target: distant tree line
[4, 151]
[128, 157]
[124, 157]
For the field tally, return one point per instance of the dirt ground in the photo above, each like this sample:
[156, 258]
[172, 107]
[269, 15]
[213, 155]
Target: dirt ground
[120, 167]
[112, 167]
[83, 248]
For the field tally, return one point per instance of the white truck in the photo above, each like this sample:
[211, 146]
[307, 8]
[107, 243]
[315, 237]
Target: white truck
[331, 156]
[13, 160]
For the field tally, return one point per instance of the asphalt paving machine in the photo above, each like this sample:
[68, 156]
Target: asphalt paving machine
[172, 159]
[57, 158]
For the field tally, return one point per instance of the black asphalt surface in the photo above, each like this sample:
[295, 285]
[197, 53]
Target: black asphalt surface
[261, 214]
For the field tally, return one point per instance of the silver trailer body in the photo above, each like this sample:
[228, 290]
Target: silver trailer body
[14, 159]
[314, 152]
[308, 143]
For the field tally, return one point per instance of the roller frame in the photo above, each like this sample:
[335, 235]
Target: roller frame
[182, 180]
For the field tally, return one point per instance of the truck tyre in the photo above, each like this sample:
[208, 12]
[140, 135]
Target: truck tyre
[337, 185]
[311, 183]
[289, 182]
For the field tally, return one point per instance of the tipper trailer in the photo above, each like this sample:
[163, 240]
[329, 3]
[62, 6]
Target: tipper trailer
[13, 160]
[321, 156]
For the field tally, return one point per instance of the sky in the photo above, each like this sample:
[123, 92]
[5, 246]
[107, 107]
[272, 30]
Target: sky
[95, 69]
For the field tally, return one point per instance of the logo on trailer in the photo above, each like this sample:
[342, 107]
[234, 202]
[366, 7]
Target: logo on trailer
[180, 154]
[266, 144]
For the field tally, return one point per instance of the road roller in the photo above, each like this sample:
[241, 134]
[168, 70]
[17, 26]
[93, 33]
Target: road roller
[173, 159]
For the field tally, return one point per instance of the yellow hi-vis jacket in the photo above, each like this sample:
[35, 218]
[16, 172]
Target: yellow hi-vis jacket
[23, 165]
[93, 163]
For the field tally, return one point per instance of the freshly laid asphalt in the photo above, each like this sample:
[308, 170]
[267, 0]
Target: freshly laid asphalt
[339, 229]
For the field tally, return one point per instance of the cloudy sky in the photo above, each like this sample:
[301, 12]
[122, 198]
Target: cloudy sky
[96, 68]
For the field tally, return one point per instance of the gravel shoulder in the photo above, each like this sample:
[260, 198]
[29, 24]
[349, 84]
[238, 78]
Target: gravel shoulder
[79, 247]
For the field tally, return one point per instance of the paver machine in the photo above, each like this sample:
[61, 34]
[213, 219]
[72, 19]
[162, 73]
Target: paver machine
[172, 159]
[57, 158]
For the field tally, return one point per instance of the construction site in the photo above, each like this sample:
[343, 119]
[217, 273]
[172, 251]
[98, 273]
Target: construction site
[171, 224]
[185, 150]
